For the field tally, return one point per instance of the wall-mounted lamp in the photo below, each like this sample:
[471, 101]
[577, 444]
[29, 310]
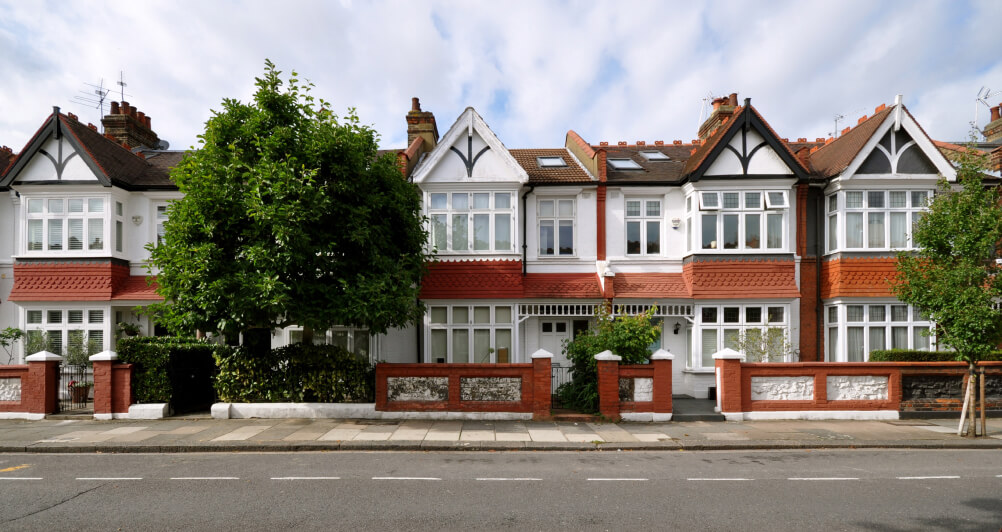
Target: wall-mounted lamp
[676, 223]
[677, 327]
[137, 219]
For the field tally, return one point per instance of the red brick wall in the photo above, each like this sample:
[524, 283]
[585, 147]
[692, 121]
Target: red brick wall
[39, 387]
[809, 348]
[16, 372]
[609, 373]
[112, 387]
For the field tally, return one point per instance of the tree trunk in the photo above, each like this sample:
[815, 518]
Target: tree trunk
[307, 335]
[972, 383]
[984, 406]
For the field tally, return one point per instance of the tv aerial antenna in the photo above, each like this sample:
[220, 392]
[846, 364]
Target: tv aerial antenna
[838, 117]
[982, 98]
[707, 103]
[94, 96]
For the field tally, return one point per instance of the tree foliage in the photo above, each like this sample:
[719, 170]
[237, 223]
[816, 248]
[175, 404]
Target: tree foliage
[953, 275]
[629, 337]
[288, 217]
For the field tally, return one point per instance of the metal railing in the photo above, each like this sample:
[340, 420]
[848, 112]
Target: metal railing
[76, 387]
[559, 375]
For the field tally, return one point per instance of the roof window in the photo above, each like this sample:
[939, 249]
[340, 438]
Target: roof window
[624, 164]
[655, 156]
[551, 162]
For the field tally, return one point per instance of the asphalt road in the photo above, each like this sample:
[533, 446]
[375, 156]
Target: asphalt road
[762, 490]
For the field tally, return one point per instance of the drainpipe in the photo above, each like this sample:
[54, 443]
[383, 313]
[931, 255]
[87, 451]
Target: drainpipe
[820, 220]
[525, 245]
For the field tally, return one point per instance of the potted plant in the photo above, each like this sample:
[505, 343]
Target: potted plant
[80, 391]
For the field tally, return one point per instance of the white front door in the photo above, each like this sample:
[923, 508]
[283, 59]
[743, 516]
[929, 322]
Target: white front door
[552, 334]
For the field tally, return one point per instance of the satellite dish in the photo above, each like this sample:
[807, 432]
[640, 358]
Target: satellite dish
[163, 145]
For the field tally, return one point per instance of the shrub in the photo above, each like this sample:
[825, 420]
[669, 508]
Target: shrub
[908, 355]
[152, 357]
[297, 373]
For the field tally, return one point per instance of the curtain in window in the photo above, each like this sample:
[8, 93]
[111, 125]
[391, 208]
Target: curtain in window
[899, 337]
[460, 232]
[502, 232]
[774, 235]
[854, 230]
[482, 345]
[709, 337]
[854, 344]
[460, 345]
[875, 230]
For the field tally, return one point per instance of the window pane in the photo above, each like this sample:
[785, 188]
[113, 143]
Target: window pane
[731, 200]
[653, 238]
[899, 228]
[481, 231]
[439, 201]
[898, 199]
[161, 212]
[710, 199]
[566, 208]
[482, 346]
[56, 342]
[481, 200]
[774, 236]
[875, 199]
[74, 316]
[361, 341]
[95, 341]
[877, 341]
[481, 314]
[833, 203]
[34, 316]
[95, 316]
[899, 337]
[633, 238]
[118, 236]
[854, 344]
[732, 339]
[832, 314]
[55, 206]
[753, 315]
[709, 346]
[502, 345]
[709, 231]
[854, 313]
[546, 208]
[633, 208]
[854, 200]
[731, 231]
[460, 315]
[95, 233]
[732, 315]
[919, 340]
[439, 233]
[338, 337]
[833, 232]
[831, 355]
[546, 237]
[919, 199]
[95, 205]
[35, 206]
[753, 200]
[460, 346]
[35, 235]
[709, 315]
[775, 199]
[502, 200]
[853, 229]
[653, 208]
[502, 232]
[753, 231]
[502, 314]
[899, 312]
[460, 232]
[753, 337]
[460, 202]
[878, 313]
[439, 314]
[54, 316]
[566, 237]
[875, 230]
[776, 314]
[118, 208]
[55, 234]
[439, 345]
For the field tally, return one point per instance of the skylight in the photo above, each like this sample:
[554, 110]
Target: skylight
[551, 162]
[655, 156]
[624, 164]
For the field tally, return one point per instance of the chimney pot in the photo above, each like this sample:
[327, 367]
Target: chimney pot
[124, 108]
[732, 100]
[415, 104]
[996, 111]
[114, 108]
[141, 116]
[148, 122]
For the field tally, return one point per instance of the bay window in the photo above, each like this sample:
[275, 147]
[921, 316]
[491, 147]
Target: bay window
[556, 226]
[867, 327]
[470, 333]
[477, 222]
[65, 224]
[739, 221]
[757, 329]
[67, 327]
[643, 227]
[874, 219]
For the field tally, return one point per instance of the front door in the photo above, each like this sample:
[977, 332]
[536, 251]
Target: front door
[552, 335]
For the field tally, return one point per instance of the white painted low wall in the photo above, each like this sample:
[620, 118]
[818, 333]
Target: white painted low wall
[347, 411]
[814, 415]
[21, 415]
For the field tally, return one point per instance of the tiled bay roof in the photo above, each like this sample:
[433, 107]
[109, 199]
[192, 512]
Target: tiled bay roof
[561, 285]
[742, 278]
[503, 279]
[81, 280]
[650, 285]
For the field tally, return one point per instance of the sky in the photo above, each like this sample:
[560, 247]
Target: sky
[611, 71]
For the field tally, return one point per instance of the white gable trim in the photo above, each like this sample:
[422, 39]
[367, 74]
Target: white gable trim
[920, 139]
[468, 123]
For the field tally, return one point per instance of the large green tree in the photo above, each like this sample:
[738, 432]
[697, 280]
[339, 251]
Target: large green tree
[289, 216]
[953, 275]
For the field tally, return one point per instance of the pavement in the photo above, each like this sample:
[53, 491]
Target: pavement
[204, 434]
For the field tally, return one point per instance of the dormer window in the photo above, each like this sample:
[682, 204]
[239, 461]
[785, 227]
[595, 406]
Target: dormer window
[655, 156]
[624, 164]
[551, 162]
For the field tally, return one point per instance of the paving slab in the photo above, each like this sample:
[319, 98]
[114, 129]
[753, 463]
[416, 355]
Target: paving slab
[611, 432]
[242, 433]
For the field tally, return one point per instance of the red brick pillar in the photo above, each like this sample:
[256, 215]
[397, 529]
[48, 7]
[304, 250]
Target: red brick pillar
[104, 387]
[728, 373]
[662, 361]
[608, 384]
[542, 387]
[42, 396]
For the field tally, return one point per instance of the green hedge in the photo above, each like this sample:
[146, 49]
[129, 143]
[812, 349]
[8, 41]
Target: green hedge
[295, 373]
[908, 355]
[151, 356]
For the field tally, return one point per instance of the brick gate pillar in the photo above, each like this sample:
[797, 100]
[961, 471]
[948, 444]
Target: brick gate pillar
[542, 384]
[42, 396]
[729, 380]
[662, 361]
[608, 384]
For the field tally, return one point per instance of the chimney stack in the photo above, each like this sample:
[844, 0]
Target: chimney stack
[993, 131]
[421, 124]
[723, 110]
[125, 123]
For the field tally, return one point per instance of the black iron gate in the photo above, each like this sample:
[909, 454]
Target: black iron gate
[76, 388]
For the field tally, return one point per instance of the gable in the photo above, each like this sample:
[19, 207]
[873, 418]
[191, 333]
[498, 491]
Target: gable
[56, 160]
[470, 152]
[748, 153]
[899, 148]
[897, 153]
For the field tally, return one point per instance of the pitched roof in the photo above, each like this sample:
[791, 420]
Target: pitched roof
[572, 173]
[650, 285]
[742, 278]
[657, 171]
[81, 280]
[834, 157]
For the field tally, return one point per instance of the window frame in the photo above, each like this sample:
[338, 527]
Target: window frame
[471, 211]
[43, 220]
[724, 218]
[837, 219]
[837, 320]
[556, 220]
[644, 219]
[449, 326]
[63, 326]
[743, 324]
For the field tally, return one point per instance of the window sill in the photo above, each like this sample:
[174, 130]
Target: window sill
[699, 371]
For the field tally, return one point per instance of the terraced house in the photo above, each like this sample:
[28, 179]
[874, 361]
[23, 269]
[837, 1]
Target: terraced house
[739, 238]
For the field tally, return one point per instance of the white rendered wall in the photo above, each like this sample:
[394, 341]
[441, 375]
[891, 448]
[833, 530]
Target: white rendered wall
[585, 241]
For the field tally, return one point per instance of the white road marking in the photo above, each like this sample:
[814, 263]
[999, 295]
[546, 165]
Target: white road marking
[205, 478]
[109, 478]
[823, 478]
[728, 479]
[406, 478]
[20, 478]
[927, 478]
[489, 478]
[622, 479]
[306, 478]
